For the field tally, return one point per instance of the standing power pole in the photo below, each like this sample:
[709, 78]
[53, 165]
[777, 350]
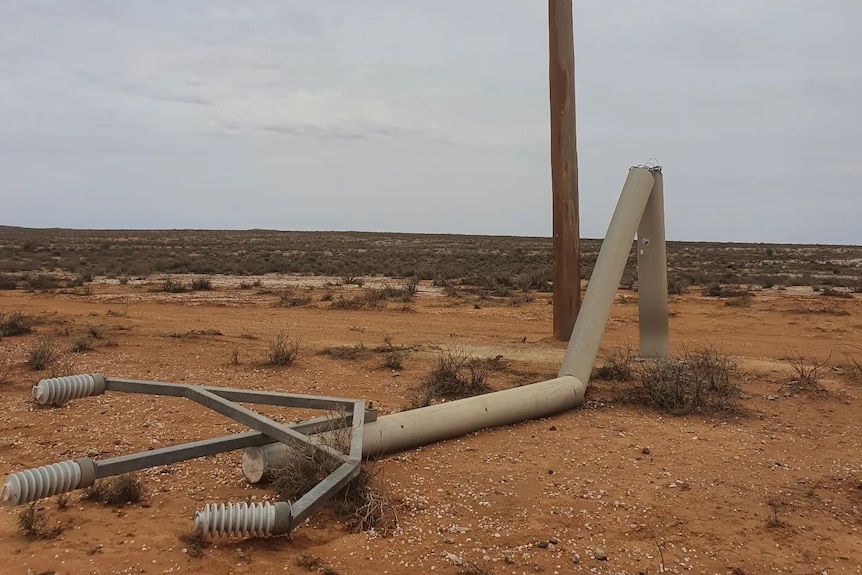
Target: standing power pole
[564, 168]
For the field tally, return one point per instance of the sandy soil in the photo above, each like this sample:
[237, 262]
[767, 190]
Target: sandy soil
[654, 492]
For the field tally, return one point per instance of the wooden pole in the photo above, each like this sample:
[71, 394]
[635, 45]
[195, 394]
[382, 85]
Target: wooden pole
[564, 169]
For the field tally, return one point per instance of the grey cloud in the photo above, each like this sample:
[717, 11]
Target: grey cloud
[427, 116]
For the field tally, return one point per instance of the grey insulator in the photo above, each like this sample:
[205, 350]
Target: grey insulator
[32, 484]
[59, 390]
[257, 519]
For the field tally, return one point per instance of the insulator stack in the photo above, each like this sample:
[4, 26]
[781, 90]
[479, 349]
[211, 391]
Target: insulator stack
[254, 520]
[59, 390]
[32, 484]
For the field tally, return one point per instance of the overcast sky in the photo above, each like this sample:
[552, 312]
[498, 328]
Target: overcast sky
[397, 115]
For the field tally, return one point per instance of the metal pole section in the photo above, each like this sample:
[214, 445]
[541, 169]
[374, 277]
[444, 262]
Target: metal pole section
[652, 275]
[605, 280]
[564, 168]
[416, 427]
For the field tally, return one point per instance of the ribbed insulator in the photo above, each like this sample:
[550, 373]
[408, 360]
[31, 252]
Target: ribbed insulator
[236, 519]
[59, 390]
[33, 484]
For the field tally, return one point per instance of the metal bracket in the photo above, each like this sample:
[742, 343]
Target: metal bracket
[30, 485]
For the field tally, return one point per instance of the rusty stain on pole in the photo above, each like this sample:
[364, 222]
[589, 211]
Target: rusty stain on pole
[564, 168]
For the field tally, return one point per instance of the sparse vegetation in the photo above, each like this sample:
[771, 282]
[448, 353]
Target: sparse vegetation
[234, 357]
[5, 366]
[81, 344]
[283, 350]
[202, 284]
[696, 382]
[171, 286]
[15, 323]
[42, 355]
[832, 292]
[120, 490]
[807, 371]
[289, 298]
[347, 352]
[773, 522]
[34, 525]
[8, 282]
[309, 562]
[394, 359]
[195, 541]
[359, 504]
[455, 375]
[618, 365]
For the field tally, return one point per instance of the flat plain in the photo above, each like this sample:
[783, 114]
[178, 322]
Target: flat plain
[772, 484]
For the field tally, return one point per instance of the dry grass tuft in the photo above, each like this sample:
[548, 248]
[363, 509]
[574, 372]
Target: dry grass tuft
[120, 490]
[34, 525]
[196, 541]
[283, 350]
[696, 382]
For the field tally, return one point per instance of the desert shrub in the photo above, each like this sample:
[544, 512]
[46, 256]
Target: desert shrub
[283, 350]
[309, 562]
[740, 301]
[42, 355]
[455, 375]
[120, 490]
[618, 365]
[5, 367]
[363, 507]
[32, 523]
[196, 541]
[394, 359]
[832, 292]
[42, 282]
[171, 286]
[8, 282]
[15, 323]
[696, 382]
[718, 290]
[124, 280]
[677, 285]
[359, 504]
[349, 279]
[81, 344]
[288, 298]
[202, 284]
[807, 371]
[347, 352]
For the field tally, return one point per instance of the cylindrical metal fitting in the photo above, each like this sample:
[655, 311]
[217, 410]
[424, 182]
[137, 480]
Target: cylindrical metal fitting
[59, 390]
[32, 484]
[257, 519]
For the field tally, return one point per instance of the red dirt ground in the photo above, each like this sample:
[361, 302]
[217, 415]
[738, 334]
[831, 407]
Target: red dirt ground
[656, 493]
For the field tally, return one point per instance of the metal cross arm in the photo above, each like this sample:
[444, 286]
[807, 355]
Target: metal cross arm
[32, 484]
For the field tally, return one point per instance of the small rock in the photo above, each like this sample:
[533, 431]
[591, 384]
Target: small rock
[576, 558]
[459, 529]
[448, 540]
[788, 394]
[645, 450]
[454, 559]
[771, 397]
[600, 554]
[552, 547]
[508, 559]
[552, 428]
[554, 540]
[543, 543]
